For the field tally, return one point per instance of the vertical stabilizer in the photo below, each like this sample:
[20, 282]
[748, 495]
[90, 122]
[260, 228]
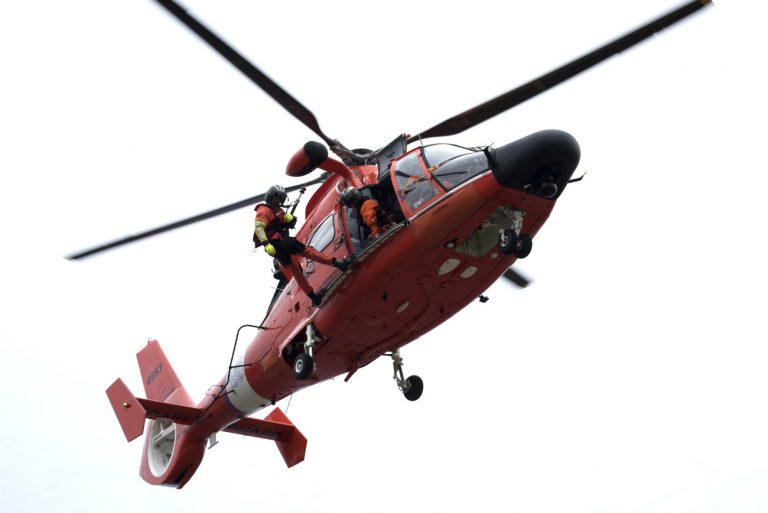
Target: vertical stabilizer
[160, 380]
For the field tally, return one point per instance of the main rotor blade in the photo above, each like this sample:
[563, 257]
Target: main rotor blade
[506, 101]
[516, 278]
[184, 222]
[277, 93]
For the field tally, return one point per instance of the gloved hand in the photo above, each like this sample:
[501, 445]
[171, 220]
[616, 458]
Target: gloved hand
[288, 218]
[270, 249]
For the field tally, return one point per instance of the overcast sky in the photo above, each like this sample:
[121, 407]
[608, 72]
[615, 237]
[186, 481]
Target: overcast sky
[630, 377]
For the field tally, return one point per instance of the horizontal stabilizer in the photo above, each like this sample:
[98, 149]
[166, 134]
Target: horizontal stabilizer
[175, 412]
[276, 426]
[132, 411]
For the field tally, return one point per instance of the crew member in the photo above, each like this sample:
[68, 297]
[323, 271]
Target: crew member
[271, 231]
[373, 214]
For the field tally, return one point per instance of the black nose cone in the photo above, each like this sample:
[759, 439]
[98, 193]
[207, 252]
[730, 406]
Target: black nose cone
[541, 163]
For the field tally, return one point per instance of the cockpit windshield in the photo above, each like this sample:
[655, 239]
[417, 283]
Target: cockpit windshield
[436, 154]
[452, 165]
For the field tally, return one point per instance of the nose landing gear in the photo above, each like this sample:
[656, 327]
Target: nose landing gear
[411, 387]
[512, 243]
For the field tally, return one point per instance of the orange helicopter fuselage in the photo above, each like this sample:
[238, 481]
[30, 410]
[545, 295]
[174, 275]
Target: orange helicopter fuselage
[439, 258]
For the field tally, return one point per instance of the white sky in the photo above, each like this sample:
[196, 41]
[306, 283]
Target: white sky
[629, 378]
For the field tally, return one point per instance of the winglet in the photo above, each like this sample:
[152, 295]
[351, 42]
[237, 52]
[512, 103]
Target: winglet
[128, 410]
[292, 446]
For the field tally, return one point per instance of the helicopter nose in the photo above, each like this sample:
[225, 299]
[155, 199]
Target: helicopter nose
[541, 163]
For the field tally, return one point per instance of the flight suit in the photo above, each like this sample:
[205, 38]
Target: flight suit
[270, 227]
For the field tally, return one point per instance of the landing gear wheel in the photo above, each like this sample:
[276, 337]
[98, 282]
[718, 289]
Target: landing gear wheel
[413, 388]
[303, 366]
[508, 240]
[523, 246]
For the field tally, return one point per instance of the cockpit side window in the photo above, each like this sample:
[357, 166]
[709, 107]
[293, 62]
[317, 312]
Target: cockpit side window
[414, 187]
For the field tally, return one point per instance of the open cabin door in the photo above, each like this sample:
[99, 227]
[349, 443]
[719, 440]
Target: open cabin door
[328, 238]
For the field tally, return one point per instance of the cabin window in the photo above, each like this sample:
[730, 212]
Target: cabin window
[323, 234]
[414, 188]
[453, 165]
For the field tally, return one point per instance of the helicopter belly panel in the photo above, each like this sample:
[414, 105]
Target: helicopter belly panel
[390, 312]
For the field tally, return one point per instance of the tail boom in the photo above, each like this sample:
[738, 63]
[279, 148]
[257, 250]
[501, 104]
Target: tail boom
[177, 430]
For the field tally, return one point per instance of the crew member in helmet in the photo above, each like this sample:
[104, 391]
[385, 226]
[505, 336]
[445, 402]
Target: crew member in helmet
[373, 214]
[271, 231]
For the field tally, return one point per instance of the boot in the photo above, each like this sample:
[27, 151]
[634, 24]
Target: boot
[341, 265]
[316, 297]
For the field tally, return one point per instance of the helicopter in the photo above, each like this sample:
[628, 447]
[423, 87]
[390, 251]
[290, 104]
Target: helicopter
[462, 217]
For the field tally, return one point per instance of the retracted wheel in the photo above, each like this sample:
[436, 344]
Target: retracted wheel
[508, 241]
[523, 246]
[303, 366]
[413, 388]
